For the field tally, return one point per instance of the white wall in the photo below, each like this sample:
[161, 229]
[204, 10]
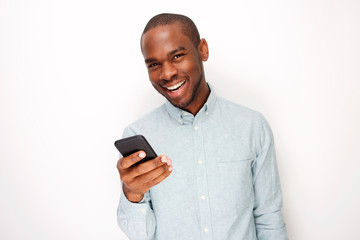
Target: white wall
[72, 76]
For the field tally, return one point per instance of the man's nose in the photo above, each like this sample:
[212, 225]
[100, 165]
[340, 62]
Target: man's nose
[168, 71]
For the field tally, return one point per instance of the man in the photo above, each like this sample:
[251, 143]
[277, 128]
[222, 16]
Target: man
[218, 179]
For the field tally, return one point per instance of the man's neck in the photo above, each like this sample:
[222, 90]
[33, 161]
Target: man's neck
[202, 96]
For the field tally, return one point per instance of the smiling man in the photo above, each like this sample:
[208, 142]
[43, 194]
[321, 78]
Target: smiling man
[175, 66]
[217, 178]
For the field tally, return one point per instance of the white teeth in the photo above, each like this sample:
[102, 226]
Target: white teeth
[175, 86]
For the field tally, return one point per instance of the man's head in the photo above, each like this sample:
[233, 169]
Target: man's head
[174, 55]
[188, 27]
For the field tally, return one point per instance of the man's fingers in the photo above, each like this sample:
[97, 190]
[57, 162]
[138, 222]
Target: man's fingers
[126, 162]
[150, 165]
[162, 177]
[141, 177]
[155, 176]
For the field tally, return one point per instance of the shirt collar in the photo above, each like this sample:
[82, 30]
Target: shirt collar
[179, 114]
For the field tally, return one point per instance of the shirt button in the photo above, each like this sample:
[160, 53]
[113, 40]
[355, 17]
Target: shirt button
[207, 113]
[142, 210]
[206, 230]
[200, 162]
[185, 113]
[196, 127]
[203, 197]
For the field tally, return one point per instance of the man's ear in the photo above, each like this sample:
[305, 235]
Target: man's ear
[204, 50]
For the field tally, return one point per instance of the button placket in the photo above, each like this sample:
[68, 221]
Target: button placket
[203, 201]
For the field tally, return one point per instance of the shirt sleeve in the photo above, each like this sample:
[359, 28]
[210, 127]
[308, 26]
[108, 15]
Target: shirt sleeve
[267, 190]
[136, 220]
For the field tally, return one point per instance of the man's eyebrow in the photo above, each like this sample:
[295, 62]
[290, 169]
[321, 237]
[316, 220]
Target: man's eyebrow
[176, 50]
[149, 60]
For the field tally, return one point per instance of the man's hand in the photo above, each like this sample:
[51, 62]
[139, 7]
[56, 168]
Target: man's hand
[138, 179]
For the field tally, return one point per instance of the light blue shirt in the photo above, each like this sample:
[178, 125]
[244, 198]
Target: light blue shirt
[224, 185]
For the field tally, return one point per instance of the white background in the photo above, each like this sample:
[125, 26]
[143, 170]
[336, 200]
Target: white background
[72, 77]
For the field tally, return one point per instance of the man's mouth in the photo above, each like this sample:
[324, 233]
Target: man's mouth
[175, 87]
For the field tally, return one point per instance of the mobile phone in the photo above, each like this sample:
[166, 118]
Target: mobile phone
[130, 145]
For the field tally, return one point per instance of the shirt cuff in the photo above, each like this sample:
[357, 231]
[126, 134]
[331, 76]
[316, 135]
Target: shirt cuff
[133, 209]
[135, 219]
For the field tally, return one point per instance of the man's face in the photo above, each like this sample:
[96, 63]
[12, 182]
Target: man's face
[174, 65]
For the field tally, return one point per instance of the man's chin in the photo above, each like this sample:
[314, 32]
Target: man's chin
[181, 105]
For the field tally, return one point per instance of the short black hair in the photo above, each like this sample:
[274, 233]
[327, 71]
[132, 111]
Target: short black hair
[188, 27]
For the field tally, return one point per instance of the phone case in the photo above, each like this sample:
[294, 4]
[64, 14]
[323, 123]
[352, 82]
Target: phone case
[129, 145]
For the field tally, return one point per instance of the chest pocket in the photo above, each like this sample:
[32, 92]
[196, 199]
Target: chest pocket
[232, 191]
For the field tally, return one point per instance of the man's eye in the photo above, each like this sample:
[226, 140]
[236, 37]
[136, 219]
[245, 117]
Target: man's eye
[178, 56]
[152, 65]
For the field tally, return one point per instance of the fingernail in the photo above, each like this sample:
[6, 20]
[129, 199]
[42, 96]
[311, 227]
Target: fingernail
[163, 159]
[169, 162]
[142, 154]
[170, 168]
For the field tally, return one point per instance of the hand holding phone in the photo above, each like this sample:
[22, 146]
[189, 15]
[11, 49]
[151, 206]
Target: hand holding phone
[140, 168]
